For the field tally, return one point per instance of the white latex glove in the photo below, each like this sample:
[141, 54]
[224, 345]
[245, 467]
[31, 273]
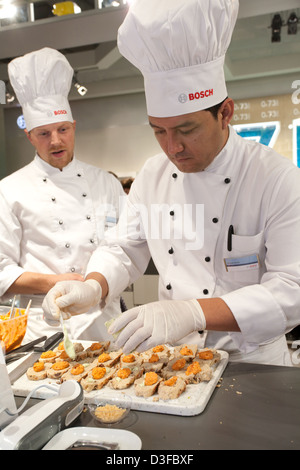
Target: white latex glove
[70, 298]
[161, 322]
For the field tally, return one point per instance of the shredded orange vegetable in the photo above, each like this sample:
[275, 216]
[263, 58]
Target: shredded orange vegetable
[104, 357]
[206, 355]
[193, 368]
[129, 358]
[150, 378]
[171, 381]
[77, 369]
[38, 366]
[98, 373]
[178, 365]
[124, 373]
[60, 365]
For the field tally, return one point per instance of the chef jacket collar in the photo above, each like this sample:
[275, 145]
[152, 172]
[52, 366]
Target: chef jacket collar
[221, 160]
[71, 168]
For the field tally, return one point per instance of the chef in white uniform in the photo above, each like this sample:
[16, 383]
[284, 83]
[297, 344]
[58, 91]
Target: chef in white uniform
[55, 210]
[218, 214]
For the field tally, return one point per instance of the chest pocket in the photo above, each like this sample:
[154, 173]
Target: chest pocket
[244, 247]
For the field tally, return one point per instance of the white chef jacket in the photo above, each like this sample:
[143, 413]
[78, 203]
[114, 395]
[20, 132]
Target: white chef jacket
[50, 222]
[248, 186]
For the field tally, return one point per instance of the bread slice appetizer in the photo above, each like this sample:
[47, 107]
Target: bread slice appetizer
[77, 371]
[175, 366]
[38, 371]
[196, 373]
[147, 385]
[60, 347]
[131, 360]
[109, 358]
[58, 369]
[80, 354]
[97, 348]
[125, 377]
[162, 351]
[97, 377]
[187, 351]
[208, 356]
[49, 356]
[191, 372]
[152, 362]
[172, 388]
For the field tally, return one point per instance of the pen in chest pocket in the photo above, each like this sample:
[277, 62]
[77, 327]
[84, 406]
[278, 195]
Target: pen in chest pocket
[229, 237]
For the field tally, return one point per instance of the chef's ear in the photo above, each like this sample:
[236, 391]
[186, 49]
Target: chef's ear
[28, 135]
[226, 111]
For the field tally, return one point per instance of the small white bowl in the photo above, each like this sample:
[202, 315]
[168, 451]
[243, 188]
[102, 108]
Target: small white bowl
[110, 411]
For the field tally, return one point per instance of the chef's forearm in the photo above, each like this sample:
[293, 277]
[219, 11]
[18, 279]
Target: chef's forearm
[102, 281]
[218, 315]
[37, 283]
[31, 283]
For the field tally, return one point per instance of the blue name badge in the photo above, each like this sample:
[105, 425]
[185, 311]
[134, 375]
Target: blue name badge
[242, 263]
[110, 221]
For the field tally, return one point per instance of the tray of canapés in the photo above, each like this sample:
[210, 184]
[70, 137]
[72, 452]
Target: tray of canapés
[165, 379]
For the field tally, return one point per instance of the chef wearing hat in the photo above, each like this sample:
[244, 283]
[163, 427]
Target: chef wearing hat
[218, 214]
[53, 211]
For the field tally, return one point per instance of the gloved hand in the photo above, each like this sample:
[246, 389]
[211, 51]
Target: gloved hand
[70, 298]
[161, 322]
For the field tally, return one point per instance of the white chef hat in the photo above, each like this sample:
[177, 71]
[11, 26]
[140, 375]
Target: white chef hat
[179, 46]
[42, 80]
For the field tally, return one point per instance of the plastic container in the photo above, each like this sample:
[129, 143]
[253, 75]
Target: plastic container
[12, 331]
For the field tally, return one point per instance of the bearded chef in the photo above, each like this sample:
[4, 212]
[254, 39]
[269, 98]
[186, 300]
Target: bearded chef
[218, 214]
[55, 210]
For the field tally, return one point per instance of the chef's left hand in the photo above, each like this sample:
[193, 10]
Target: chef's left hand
[70, 298]
[161, 322]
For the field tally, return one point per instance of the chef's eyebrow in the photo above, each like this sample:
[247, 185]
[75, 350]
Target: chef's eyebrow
[184, 124]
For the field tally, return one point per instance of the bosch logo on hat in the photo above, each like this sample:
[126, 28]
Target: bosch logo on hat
[201, 94]
[182, 98]
[60, 111]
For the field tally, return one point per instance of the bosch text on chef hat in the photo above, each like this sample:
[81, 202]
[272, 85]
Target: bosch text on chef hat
[179, 46]
[42, 81]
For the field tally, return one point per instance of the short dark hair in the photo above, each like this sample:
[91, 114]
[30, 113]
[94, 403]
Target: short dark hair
[215, 109]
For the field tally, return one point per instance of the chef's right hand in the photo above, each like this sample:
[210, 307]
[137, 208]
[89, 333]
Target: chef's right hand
[70, 298]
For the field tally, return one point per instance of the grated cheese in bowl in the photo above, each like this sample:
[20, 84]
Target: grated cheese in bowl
[108, 412]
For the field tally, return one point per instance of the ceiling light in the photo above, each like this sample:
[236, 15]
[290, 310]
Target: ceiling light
[80, 88]
[292, 23]
[276, 28]
[9, 97]
[8, 11]
[110, 3]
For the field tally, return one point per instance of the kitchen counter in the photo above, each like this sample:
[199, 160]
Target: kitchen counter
[255, 407]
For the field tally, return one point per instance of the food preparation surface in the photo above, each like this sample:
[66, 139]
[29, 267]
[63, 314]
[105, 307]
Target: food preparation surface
[256, 407]
[191, 402]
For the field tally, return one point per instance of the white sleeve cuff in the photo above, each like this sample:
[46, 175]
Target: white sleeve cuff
[258, 315]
